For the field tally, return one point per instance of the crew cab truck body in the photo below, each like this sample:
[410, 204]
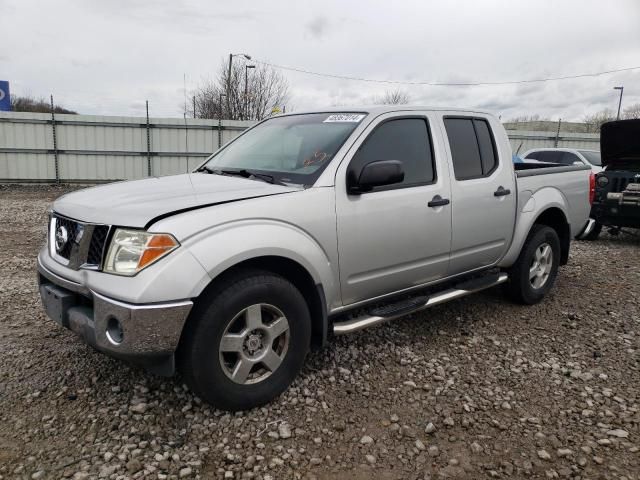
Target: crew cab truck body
[306, 225]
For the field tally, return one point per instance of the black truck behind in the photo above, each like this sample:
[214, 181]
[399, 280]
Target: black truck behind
[617, 191]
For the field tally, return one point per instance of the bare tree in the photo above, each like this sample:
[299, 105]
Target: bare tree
[266, 89]
[28, 103]
[392, 97]
[594, 121]
[632, 111]
[528, 118]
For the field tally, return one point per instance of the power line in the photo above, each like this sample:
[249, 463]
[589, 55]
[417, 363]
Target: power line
[443, 84]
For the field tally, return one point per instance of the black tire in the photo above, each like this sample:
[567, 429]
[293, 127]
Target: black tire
[593, 234]
[520, 287]
[200, 359]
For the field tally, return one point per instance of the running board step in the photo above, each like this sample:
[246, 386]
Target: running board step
[400, 308]
[416, 304]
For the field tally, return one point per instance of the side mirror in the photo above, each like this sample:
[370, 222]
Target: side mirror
[375, 174]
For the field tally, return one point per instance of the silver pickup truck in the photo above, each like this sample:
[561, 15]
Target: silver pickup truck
[306, 226]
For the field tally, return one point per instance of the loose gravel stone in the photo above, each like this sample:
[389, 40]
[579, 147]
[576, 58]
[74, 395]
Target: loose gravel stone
[476, 448]
[618, 433]
[564, 452]
[366, 440]
[544, 455]
[284, 431]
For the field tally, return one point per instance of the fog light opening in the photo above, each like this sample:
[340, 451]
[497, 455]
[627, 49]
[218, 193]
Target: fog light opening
[114, 331]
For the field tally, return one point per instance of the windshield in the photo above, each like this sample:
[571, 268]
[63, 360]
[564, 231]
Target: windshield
[592, 157]
[291, 149]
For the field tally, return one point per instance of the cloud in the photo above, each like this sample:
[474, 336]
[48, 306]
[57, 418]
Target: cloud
[102, 57]
[318, 26]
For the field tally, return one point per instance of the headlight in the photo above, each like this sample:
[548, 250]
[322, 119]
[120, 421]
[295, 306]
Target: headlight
[132, 250]
[602, 181]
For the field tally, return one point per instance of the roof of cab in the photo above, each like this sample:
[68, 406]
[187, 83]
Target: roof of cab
[380, 109]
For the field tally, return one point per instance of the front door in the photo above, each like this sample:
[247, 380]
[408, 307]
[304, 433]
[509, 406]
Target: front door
[390, 238]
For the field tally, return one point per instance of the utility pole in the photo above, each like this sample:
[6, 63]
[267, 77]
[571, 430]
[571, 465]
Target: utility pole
[231, 55]
[229, 83]
[621, 88]
[246, 90]
[220, 121]
[194, 106]
[555, 144]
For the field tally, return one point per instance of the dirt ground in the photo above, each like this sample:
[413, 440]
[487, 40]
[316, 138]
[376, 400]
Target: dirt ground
[473, 389]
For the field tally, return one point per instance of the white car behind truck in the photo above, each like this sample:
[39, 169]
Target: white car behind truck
[305, 226]
[566, 156]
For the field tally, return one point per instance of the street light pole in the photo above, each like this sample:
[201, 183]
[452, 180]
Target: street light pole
[220, 120]
[246, 89]
[231, 55]
[621, 88]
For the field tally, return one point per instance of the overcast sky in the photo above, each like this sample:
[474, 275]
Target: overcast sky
[108, 56]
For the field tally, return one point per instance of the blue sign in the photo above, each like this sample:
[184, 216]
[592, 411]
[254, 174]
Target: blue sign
[5, 97]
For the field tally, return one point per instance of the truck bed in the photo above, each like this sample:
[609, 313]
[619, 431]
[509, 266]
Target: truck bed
[556, 181]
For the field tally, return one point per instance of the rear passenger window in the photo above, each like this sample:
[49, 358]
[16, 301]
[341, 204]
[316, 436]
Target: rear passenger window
[404, 139]
[472, 147]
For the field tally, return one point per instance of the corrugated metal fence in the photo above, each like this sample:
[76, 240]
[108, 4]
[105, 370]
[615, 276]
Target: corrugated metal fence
[39, 147]
[521, 141]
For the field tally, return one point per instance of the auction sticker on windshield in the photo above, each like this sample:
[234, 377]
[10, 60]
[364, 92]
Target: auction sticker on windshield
[344, 117]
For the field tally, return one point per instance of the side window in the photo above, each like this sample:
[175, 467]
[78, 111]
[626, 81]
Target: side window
[570, 158]
[472, 147]
[550, 156]
[404, 139]
[485, 142]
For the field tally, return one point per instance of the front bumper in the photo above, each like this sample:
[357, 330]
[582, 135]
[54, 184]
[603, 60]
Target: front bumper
[147, 334]
[613, 214]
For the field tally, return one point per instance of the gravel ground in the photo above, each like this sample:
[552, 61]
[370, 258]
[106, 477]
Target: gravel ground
[474, 389]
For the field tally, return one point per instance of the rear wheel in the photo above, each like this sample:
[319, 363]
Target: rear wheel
[535, 271]
[246, 343]
[593, 234]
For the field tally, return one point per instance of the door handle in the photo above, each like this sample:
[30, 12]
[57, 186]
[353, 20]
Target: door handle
[438, 201]
[501, 192]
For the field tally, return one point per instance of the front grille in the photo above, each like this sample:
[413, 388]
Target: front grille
[84, 245]
[96, 247]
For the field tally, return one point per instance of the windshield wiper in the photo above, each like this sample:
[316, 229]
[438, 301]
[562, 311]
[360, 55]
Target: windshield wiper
[249, 174]
[244, 173]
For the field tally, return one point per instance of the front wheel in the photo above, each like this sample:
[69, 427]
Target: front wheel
[246, 343]
[536, 268]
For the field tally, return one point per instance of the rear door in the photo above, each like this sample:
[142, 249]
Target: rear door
[390, 238]
[483, 197]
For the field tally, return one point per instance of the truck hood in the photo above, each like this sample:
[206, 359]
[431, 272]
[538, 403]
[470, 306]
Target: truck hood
[620, 144]
[140, 203]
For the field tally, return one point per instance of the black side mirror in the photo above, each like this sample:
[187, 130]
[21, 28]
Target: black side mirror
[375, 174]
